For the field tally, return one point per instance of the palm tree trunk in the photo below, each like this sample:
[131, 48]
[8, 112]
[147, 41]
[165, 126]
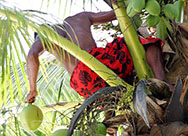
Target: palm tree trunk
[135, 47]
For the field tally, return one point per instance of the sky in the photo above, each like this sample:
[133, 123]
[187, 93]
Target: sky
[65, 9]
[77, 6]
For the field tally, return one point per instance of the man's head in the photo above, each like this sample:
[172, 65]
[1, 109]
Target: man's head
[36, 36]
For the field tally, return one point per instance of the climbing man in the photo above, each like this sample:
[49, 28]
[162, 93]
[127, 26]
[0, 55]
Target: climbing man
[115, 55]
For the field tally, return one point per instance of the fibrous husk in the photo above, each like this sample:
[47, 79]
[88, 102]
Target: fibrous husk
[170, 129]
[158, 88]
[185, 17]
[155, 115]
[176, 56]
[175, 129]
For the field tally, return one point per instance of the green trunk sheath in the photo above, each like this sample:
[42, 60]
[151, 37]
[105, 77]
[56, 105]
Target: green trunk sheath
[133, 43]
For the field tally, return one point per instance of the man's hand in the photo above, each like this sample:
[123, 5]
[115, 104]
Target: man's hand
[31, 96]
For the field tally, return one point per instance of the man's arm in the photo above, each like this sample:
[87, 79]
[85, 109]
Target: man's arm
[32, 69]
[101, 17]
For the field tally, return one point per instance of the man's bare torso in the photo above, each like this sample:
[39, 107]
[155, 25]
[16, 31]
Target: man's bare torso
[77, 30]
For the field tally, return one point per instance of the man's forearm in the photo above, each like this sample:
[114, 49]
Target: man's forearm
[32, 70]
[101, 17]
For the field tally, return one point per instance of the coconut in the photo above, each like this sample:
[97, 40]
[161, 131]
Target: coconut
[99, 129]
[31, 117]
[59, 132]
[63, 132]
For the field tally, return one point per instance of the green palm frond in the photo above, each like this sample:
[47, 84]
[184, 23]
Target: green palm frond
[135, 47]
[15, 40]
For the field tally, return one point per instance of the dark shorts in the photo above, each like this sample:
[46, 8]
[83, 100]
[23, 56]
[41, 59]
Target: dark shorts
[115, 56]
